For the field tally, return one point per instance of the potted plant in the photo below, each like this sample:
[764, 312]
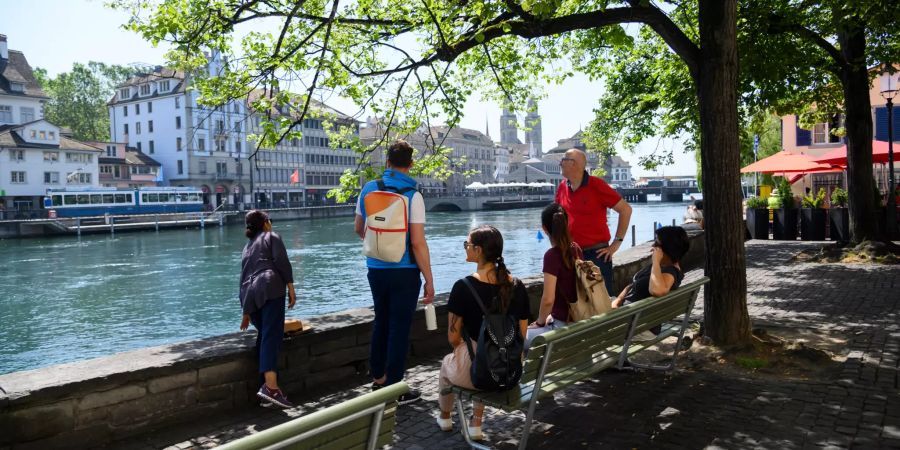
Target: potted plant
[758, 217]
[785, 220]
[839, 216]
[812, 217]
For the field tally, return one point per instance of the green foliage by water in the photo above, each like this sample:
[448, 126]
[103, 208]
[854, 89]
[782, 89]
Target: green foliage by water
[78, 97]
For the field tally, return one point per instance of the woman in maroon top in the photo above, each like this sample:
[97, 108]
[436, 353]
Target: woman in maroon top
[559, 273]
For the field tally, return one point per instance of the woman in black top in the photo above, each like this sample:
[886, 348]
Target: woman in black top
[265, 273]
[664, 273]
[500, 292]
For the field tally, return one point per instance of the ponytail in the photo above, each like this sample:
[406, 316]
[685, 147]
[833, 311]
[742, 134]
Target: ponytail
[555, 219]
[504, 279]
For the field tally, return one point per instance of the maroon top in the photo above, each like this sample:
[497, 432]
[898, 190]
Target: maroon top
[565, 281]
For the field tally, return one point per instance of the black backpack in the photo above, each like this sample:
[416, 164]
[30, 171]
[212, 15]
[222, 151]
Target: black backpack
[497, 364]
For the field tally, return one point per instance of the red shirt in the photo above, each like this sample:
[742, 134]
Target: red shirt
[586, 208]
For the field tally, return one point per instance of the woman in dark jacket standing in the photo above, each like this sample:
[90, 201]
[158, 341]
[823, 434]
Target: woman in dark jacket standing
[265, 272]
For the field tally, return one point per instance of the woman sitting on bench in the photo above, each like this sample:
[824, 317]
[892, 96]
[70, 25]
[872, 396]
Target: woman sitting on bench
[664, 274]
[499, 291]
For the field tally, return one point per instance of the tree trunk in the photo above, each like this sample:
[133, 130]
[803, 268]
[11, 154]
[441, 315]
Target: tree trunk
[726, 320]
[858, 108]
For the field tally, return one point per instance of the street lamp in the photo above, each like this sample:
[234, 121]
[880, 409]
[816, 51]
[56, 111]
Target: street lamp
[889, 86]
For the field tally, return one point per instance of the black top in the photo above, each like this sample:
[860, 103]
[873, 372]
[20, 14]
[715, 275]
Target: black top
[464, 305]
[265, 271]
[640, 284]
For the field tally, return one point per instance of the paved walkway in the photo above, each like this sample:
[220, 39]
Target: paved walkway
[858, 406]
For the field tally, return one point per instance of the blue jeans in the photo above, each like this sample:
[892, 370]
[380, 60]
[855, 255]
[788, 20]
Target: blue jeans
[269, 324]
[535, 332]
[606, 268]
[395, 293]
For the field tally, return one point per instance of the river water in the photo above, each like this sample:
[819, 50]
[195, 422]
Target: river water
[66, 298]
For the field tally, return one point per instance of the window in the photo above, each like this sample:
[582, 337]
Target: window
[221, 168]
[145, 89]
[220, 126]
[6, 113]
[137, 108]
[150, 147]
[150, 108]
[123, 94]
[73, 157]
[17, 177]
[164, 86]
[177, 103]
[51, 156]
[27, 114]
[139, 146]
[238, 169]
[201, 144]
[126, 129]
[178, 144]
[237, 146]
[202, 167]
[79, 178]
[111, 150]
[177, 122]
[42, 135]
[237, 127]
[237, 108]
[17, 87]
[137, 128]
[118, 172]
[220, 145]
[17, 155]
[180, 167]
[52, 135]
[821, 132]
[33, 134]
[125, 110]
[51, 177]
[149, 126]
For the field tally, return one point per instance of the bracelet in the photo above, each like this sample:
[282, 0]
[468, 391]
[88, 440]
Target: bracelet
[540, 324]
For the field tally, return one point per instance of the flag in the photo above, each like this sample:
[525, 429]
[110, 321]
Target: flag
[159, 175]
[295, 177]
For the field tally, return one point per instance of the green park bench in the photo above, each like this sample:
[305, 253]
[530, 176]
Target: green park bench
[560, 358]
[365, 422]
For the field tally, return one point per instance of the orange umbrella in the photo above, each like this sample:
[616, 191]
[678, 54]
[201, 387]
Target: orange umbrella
[839, 155]
[785, 161]
[794, 177]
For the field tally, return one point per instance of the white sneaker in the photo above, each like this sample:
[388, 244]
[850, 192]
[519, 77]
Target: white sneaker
[445, 424]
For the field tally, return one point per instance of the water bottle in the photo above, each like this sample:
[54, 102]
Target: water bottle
[430, 317]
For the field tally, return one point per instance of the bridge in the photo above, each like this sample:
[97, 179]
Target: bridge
[666, 193]
[476, 202]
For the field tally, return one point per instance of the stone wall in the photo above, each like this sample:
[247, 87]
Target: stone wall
[89, 403]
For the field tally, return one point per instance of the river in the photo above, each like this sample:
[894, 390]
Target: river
[65, 298]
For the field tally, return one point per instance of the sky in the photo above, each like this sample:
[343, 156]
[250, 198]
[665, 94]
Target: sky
[71, 31]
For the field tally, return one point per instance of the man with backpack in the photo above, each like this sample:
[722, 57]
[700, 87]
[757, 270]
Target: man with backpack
[390, 218]
[586, 199]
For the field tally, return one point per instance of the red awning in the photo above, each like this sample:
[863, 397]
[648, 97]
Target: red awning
[839, 155]
[785, 161]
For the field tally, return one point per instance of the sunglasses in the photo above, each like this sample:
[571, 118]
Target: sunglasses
[467, 244]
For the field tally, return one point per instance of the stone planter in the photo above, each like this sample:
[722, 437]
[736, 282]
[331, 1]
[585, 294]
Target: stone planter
[839, 224]
[812, 224]
[758, 223]
[785, 224]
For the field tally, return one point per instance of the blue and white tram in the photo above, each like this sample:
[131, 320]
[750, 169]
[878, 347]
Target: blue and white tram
[99, 201]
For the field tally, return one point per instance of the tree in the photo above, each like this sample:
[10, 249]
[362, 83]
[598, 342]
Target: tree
[78, 98]
[825, 50]
[413, 62]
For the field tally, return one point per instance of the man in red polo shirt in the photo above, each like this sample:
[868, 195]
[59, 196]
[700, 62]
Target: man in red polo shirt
[586, 199]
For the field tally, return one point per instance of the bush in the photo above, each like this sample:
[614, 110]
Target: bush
[839, 198]
[775, 202]
[757, 203]
[785, 195]
[815, 202]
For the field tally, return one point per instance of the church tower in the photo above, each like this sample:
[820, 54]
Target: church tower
[534, 137]
[508, 128]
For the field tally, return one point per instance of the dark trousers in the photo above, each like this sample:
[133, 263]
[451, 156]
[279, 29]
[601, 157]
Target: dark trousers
[606, 268]
[395, 293]
[269, 323]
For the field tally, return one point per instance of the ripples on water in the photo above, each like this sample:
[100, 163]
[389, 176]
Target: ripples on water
[66, 298]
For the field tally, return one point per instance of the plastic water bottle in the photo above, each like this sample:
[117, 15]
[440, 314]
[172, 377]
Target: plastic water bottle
[430, 317]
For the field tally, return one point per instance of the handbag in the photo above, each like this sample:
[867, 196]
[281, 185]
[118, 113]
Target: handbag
[592, 298]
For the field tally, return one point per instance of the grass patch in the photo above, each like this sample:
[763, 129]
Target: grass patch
[749, 362]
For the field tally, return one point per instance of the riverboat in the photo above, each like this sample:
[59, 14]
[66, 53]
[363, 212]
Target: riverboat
[84, 202]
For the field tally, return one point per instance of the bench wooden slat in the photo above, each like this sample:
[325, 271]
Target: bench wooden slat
[322, 429]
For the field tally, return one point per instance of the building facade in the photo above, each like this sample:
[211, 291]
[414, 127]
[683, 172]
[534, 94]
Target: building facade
[123, 167]
[317, 162]
[195, 145]
[35, 157]
[21, 97]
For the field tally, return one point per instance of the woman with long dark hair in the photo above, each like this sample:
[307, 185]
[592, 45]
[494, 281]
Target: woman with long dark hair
[265, 273]
[559, 273]
[500, 292]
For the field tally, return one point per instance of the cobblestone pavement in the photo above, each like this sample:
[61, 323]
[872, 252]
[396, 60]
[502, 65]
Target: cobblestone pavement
[858, 407]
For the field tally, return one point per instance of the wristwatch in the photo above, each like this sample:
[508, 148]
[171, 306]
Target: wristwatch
[619, 239]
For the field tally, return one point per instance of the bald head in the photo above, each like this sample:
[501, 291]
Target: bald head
[578, 156]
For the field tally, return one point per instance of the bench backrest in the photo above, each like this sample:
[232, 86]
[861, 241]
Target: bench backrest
[365, 422]
[595, 344]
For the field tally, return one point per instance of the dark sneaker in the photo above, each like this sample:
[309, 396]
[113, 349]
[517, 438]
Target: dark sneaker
[274, 396]
[376, 386]
[409, 397]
